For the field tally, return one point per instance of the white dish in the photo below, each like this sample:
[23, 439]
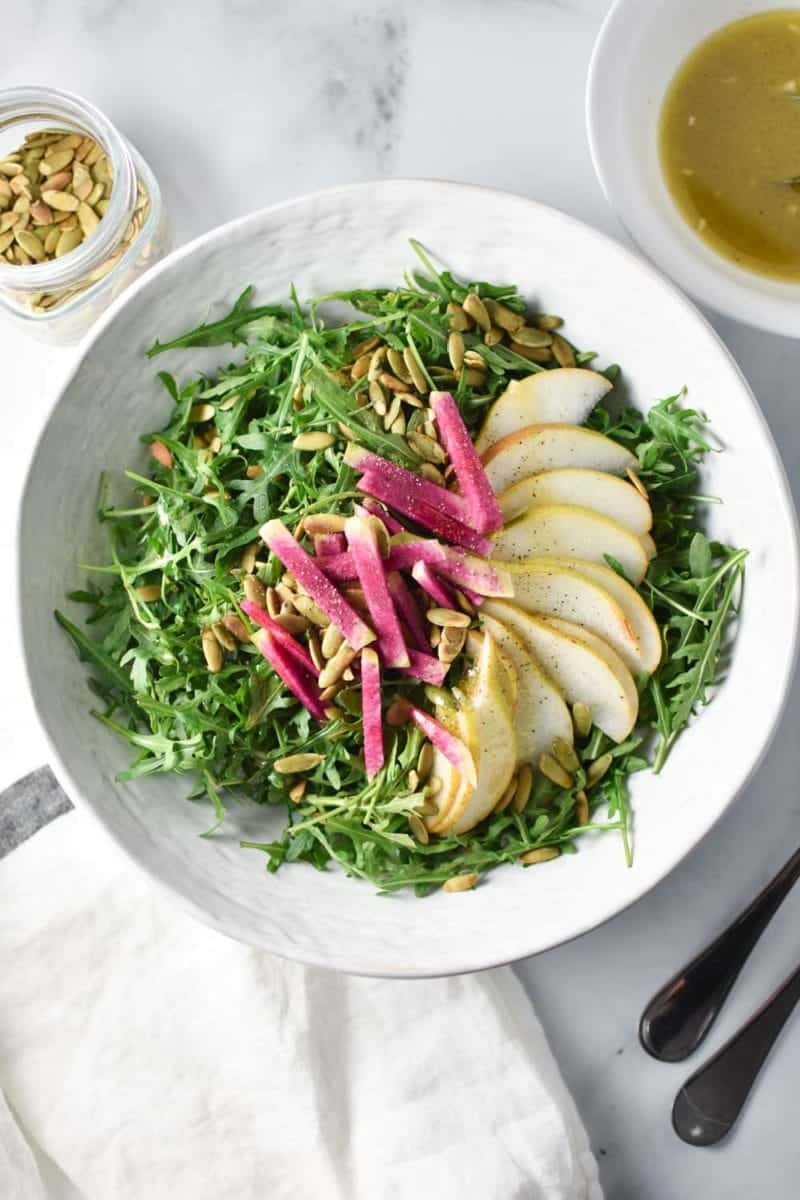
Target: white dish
[358, 236]
[637, 52]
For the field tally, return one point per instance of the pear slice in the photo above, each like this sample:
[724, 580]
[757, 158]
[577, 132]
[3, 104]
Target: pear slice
[549, 588]
[604, 493]
[638, 616]
[549, 447]
[473, 646]
[486, 710]
[567, 394]
[602, 648]
[648, 545]
[566, 531]
[540, 713]
[578, 670]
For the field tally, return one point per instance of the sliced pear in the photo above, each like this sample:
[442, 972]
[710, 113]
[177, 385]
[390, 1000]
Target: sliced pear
[638, 616]
[606, 494]
[540, 713]
[496, 743]
[564, 530]
[578, 670]
[549, 447]
[648, 545]
[567, 394]
[449, 781]
[604, 650]
[549, 588]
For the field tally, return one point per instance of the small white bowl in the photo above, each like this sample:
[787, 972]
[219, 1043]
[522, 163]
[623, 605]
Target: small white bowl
[637, 52]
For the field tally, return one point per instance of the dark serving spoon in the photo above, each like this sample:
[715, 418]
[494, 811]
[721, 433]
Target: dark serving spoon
[680, 1015]
[708, 1105]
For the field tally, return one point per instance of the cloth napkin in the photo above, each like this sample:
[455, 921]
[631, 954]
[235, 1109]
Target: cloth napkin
[146, 1057]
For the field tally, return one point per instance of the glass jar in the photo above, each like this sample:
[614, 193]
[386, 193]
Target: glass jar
[58, 299]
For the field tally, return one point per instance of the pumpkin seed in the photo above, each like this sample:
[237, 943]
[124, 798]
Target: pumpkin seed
[297, 791]
[393, 412]
[540, 855]
[461, 883]
[335, 667]
[254, 590]
[582, 808]
[435, 636]
[211, 651]
[331, 641]
[201, 412]
[315, 650]
[360, 367]
[546, 321]
[69, 240]
[223, 636]
[425, 762]
[503, 316]
[553, 771]
[543, 355]
[474, 358]
[314, 440]
[563, 352]
[247, 559]
[61, 201]
[324, 523]
[473, 378]
[235, 625]
[597, 769]
[59, 181]
[565, 755]
[474, 307]
[523, 792]
[457, 318]
[8, 220]
[393, 383]
[493, 336]
[582, 718]
[40, 213]
[447, 617]
[53, 162]
[418, 829]
[365, 347]
[377, 398]
[273, 602]
[415, 370]
[528, 335]
[20, 186]
[9, 168]
[311, 611]
[87, 218]
[426, 447]
[31, 245]
[429, 471]
[291, 622]
[450, 647]
[398, 426]
[455, 350]
[294, 763]
[149, 592]
[376, 363]
[397, 365]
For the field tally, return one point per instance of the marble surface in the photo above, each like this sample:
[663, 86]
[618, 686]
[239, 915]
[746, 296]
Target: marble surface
[254, 103]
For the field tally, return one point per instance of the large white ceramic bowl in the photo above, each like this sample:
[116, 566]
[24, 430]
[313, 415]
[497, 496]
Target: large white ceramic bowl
[638, 50]
[359, 236]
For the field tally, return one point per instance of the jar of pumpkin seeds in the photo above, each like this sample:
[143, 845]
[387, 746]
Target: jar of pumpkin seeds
[80, 213]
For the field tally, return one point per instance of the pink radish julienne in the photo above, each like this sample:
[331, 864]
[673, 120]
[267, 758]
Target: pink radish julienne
[292, 647]
[465, 570]
[366, 556]
[407, 610]
[326, 544]
[476, 489]
[317, 585]
[372, 721]
[454, 750]
[433, 586]
[425, 667]
[405, 482]
[443, 523]
[295, 679]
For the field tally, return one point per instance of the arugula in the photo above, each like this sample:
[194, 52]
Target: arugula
[187, 526]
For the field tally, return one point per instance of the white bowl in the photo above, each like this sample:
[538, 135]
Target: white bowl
[358, 236]
[637, 52]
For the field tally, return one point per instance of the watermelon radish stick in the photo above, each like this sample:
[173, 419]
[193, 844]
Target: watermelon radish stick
[292, 647]
[405, 482]
[425, 667]
[370, 508]
[475, 600]
[328, 543]
[485, 578]
[318, 586]
[407, 610]
[475, 487]
[447, 743]
[442, 523]
[433, 586]
[339, 568]
[296, 681]
[364, 551]
[372, 721]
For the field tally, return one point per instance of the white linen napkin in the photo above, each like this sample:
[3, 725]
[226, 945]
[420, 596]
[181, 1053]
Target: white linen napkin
[145, 1057]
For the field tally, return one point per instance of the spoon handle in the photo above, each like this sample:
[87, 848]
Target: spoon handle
[680, 1015]
[708, 1104]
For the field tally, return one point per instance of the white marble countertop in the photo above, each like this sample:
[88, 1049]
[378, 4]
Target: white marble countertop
[237, 103]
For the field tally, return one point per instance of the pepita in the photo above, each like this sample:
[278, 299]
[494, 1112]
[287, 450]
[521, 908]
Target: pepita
[291, 622]
[392, 382]
[415, 370]
[254, 590]
[212, 652]
[223, 636]
[540, 855]
[533, 338]
[503, 316]
[562, 351]
[31, 245]
[40, 213]
[335, 667]
[397, 365]
[461, 883]
[582, 718]
[297, 791]
[393, 412]
[543, 355]
[149, 592]
[87, 218]
[458, 318]
[360, 367]
[201, 412]
[429, 471]
[582, 808]
[365, 347]
[293, 764]
[324, 523]
[597, 769]
[493, 336]
[376, 363]
[425, 762]
[474, 307]
[565, 755]
[553, 771]
[546, 321]
[235, 625]
[426, 448]
[377, 398]
[273, 601]
[447, 618]
[418, 829]
[313, 440]
[61, 201]
[311, 611]
[523, 791]
[67, 241]
[455, 350]
[473, 378]
[315, 650]
[332, 639]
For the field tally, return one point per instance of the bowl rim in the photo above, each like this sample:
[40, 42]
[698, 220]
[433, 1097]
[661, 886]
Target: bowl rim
[474, 961]
[727, 293]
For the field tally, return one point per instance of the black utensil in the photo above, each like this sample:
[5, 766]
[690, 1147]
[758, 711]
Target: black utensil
[708, 1104]
[680, 1015]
